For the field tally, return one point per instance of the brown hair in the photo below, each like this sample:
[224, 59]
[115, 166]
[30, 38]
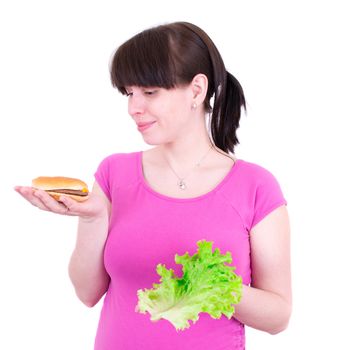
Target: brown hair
[171, 55]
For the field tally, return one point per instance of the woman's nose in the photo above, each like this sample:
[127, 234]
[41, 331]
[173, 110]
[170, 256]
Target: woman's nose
[136, 106]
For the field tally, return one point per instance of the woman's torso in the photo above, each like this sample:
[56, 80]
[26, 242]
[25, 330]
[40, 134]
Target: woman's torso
[150, 223]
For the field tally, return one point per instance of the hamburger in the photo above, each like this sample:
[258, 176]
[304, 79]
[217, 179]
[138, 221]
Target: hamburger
[58, 186]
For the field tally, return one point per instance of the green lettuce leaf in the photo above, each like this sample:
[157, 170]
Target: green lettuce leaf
[207, 285]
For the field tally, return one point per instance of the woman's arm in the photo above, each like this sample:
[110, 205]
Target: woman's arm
[267, 304]
[86, 267]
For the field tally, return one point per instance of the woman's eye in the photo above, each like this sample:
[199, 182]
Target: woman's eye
[146, 92]
[150, 92]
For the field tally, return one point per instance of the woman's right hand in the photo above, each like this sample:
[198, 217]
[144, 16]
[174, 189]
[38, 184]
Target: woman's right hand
[94, 207]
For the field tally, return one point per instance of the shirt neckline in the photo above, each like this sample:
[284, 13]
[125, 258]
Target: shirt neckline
[189, 199]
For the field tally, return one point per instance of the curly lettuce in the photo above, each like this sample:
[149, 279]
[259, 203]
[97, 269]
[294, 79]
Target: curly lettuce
[208, 284]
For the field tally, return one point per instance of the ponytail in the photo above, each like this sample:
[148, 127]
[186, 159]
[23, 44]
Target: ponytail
[228, 102]
[228, 94]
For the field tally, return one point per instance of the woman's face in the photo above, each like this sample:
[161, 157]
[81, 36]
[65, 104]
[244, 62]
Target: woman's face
[161, 115]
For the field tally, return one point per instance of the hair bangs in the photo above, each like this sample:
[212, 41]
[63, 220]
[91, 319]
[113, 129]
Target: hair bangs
[144, 60]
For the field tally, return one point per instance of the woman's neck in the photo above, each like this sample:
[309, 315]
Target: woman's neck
[185, 153]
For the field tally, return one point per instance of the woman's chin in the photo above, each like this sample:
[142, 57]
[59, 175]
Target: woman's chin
[152, 141]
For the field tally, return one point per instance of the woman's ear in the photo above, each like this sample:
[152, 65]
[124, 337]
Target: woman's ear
[199, 87]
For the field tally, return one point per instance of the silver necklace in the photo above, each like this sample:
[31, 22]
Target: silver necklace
[182, 180]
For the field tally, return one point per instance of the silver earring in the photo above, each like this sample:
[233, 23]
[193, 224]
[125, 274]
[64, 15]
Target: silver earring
[194, 105]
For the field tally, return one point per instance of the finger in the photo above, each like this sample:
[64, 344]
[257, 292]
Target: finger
[50, 203]
[28, 194]
[71, 205]
[42, 200]
[24, 191]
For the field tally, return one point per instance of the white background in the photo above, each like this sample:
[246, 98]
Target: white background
[60, 116]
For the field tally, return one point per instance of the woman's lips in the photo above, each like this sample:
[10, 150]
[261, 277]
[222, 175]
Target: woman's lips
[144, 126]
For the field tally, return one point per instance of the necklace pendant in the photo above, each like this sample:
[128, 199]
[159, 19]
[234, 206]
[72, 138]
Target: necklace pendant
[182, 185]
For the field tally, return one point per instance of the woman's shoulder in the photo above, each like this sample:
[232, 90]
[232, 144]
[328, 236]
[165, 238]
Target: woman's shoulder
[253, 180]
[119, 160]
[120, 157]
[248, 178]
[117, 169]
[254, 191]
[117, 163]
[253, 171]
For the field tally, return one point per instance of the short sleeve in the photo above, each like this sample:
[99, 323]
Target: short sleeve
[102, 176]
[268, 197]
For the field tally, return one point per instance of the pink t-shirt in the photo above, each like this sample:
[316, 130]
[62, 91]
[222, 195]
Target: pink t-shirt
[148, 228]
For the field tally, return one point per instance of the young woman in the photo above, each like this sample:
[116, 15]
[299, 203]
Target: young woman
[147, 206]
